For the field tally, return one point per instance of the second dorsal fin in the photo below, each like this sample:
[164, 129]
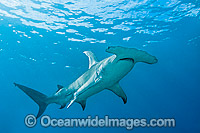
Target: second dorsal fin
[59, 87]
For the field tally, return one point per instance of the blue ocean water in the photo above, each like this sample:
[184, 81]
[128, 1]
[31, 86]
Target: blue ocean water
[42, 44]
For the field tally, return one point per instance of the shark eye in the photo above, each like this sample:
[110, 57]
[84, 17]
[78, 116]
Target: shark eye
[108, 48]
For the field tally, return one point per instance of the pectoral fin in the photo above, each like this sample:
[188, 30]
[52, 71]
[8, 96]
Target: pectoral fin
[119, 92]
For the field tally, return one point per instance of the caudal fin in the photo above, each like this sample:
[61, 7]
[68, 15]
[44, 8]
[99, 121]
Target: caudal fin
[39, 98]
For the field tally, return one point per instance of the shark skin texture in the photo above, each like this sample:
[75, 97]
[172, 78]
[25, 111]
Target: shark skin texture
[101, 75]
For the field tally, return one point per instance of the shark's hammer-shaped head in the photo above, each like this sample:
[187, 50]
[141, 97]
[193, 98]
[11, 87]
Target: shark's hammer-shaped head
[132, 53]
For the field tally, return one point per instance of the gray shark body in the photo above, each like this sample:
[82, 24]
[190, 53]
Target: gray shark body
[101, 75]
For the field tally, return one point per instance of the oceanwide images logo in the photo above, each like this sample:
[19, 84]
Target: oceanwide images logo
[128, 123]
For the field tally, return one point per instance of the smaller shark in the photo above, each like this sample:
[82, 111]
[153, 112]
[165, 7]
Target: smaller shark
[101, 75]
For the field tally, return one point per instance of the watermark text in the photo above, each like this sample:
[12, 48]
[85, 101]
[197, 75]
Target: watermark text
[128, 123]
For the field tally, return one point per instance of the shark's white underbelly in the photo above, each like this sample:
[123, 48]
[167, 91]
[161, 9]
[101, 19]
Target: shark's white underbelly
[110, 75]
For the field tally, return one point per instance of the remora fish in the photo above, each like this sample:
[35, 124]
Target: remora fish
[101, 75]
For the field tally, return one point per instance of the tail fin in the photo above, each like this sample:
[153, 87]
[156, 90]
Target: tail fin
[39, 98]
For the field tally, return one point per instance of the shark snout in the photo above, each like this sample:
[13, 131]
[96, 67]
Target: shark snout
[153, 60]
[109, 49]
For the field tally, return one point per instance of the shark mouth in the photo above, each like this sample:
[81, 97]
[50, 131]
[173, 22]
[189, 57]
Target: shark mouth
[128, 59]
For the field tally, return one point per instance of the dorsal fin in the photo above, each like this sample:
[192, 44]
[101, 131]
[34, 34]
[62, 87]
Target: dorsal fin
[92, 58]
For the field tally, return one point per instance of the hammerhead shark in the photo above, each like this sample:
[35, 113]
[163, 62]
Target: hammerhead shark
[101, 75]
